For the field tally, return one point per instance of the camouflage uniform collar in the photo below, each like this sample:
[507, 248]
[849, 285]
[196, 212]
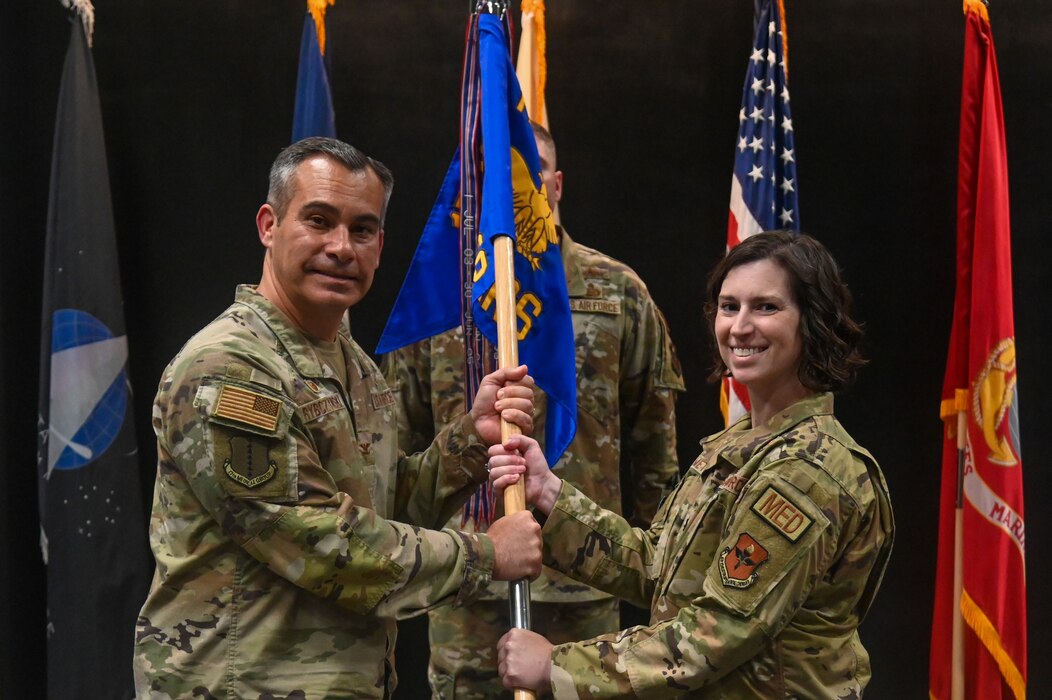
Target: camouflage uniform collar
[575, 284]
[295, 343]
[817, 405]
[740, 441]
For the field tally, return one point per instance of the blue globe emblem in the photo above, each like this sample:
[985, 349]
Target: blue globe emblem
[71, 329]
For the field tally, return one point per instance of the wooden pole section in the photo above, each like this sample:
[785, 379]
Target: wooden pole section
[957, 668]
[508, 356]
[507, 347]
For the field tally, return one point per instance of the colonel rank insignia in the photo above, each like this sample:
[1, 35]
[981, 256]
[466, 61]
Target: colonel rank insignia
[738, 564]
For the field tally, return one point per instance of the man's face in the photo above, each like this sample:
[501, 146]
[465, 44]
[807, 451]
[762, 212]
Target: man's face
[553, 179]
[322, 254]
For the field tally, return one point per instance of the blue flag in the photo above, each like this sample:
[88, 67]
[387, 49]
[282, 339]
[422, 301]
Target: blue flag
[93, 530]
[513, 203]
[429, 302]
[314, 115]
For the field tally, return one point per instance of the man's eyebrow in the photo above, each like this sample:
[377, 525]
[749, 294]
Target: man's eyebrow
[314, 206]
[326, 208]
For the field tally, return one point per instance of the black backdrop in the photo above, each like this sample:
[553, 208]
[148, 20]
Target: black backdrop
[197, 99]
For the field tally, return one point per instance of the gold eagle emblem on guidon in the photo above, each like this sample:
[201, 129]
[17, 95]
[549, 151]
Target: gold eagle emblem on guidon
[992, 395]
[534, 223]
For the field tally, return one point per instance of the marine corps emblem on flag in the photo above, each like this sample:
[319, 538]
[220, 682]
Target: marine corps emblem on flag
[992, 401]
[738, 564]
[249, 463]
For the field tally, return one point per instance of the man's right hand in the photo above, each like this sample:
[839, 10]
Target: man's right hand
[517, 543]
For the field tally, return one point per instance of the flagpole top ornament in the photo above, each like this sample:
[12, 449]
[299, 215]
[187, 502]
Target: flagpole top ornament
[86, 11]
[980, 6]
[492, 7]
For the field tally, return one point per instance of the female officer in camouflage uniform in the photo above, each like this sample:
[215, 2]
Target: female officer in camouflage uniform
[760, 566]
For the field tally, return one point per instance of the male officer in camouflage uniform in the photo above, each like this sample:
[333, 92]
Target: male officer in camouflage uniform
[627, 380]
[280, 567]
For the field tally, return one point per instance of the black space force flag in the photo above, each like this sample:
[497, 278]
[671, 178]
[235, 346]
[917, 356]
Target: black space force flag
[93, 533]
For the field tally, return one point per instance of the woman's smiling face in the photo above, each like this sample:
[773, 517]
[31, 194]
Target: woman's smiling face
[757, 329]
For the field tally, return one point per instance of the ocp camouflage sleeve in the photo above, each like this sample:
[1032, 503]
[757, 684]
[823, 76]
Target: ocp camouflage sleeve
[600, 548]
[432, 484]
[299, 524]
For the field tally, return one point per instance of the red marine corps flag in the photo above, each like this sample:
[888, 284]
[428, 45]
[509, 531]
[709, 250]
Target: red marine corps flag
[978, 647]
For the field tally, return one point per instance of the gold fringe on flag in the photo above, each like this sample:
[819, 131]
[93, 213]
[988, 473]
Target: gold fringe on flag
[86, 10]
[978, 6]
[317, 11]
[984, 629]
[536, 8]
[785, 38]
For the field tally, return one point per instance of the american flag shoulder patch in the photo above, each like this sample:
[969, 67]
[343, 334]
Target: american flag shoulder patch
[243, 405]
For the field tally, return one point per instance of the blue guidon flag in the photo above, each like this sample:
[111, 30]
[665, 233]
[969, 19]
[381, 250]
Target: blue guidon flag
[451, 279]
[93, 531]
[313, 114]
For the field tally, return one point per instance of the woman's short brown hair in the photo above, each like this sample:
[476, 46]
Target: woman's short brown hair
[831, 338]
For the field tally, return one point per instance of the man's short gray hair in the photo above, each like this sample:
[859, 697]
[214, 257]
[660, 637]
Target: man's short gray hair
[283, 171]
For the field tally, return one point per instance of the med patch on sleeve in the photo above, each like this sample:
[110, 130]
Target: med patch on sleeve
[774, 528]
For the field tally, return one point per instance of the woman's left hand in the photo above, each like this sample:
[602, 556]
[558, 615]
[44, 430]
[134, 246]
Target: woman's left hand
[521, 457]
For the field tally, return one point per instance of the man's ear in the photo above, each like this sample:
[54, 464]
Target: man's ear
[558, 194]
[266, 220]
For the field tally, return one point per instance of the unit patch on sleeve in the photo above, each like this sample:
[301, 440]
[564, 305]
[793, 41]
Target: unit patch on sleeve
[249, 463]
[780, 513]
[738, 564]
[246, 406]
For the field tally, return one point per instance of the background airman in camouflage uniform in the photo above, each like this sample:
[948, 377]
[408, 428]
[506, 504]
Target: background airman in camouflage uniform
[280, 567]
[760, 566]
[625, 446]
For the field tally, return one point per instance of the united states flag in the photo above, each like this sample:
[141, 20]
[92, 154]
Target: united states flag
[763, 188]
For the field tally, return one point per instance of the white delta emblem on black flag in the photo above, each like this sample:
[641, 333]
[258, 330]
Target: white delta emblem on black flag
[93, 532]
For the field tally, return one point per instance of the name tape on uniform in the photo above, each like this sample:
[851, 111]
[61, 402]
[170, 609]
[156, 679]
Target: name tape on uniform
[599, 306]
[321, 407]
